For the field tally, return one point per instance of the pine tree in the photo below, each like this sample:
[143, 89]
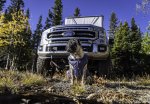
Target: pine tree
[120, 53]
[113, 25]
[135, 44]
[49, 20]
[77, 12]
[2, 2]
[57, 10]
[117, 49]
[36, 40]
[16, 5]
[28, 13]
[38, 33]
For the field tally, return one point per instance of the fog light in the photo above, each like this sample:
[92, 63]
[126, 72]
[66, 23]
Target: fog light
[40, 48]
[102, 48]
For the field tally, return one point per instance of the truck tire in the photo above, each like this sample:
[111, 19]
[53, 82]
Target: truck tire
[42, 66]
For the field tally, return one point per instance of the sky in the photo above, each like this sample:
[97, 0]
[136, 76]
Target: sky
[124, 9]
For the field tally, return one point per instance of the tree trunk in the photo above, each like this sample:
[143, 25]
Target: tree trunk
[33, 61]
[8, 60]
[12, 67]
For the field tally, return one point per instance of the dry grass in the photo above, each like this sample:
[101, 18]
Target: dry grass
[11, 81]
[112, 96]
[145, 80]
[99, 80]
[29, 79]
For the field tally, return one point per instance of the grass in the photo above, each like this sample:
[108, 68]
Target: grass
[124, 81]
[99, 80]
[30, 79]
[77, 89]
[12, 81]
[145, 80]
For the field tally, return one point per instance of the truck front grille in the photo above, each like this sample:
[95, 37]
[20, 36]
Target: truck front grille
[88, 34]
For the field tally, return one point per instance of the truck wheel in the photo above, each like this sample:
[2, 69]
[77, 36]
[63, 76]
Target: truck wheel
[42, 66]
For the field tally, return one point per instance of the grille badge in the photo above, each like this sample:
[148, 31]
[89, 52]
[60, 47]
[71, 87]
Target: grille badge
[68, 33]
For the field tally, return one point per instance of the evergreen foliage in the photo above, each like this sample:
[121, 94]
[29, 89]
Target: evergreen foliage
[57, 11]
[126, 49]
[49, 20]
[135, 38]
[77, 12]
[135, 45]
[146, 53]
[28, 13]
[113, 22]
[38, 33]
[112, 28]
[36, 40]
[16, 5]
[120, 53]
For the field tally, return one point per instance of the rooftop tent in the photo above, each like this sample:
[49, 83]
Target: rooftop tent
[93, 20]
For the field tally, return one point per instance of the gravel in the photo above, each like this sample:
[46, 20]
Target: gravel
[105, 93]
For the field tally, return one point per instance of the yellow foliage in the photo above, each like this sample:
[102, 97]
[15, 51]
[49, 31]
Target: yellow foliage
[10, 32]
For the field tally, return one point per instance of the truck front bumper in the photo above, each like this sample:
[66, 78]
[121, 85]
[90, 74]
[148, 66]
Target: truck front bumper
[91, 55]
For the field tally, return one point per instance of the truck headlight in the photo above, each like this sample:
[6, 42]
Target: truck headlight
[102, 48]
[40, 48]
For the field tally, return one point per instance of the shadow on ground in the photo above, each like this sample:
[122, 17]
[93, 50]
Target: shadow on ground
[41, 99]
